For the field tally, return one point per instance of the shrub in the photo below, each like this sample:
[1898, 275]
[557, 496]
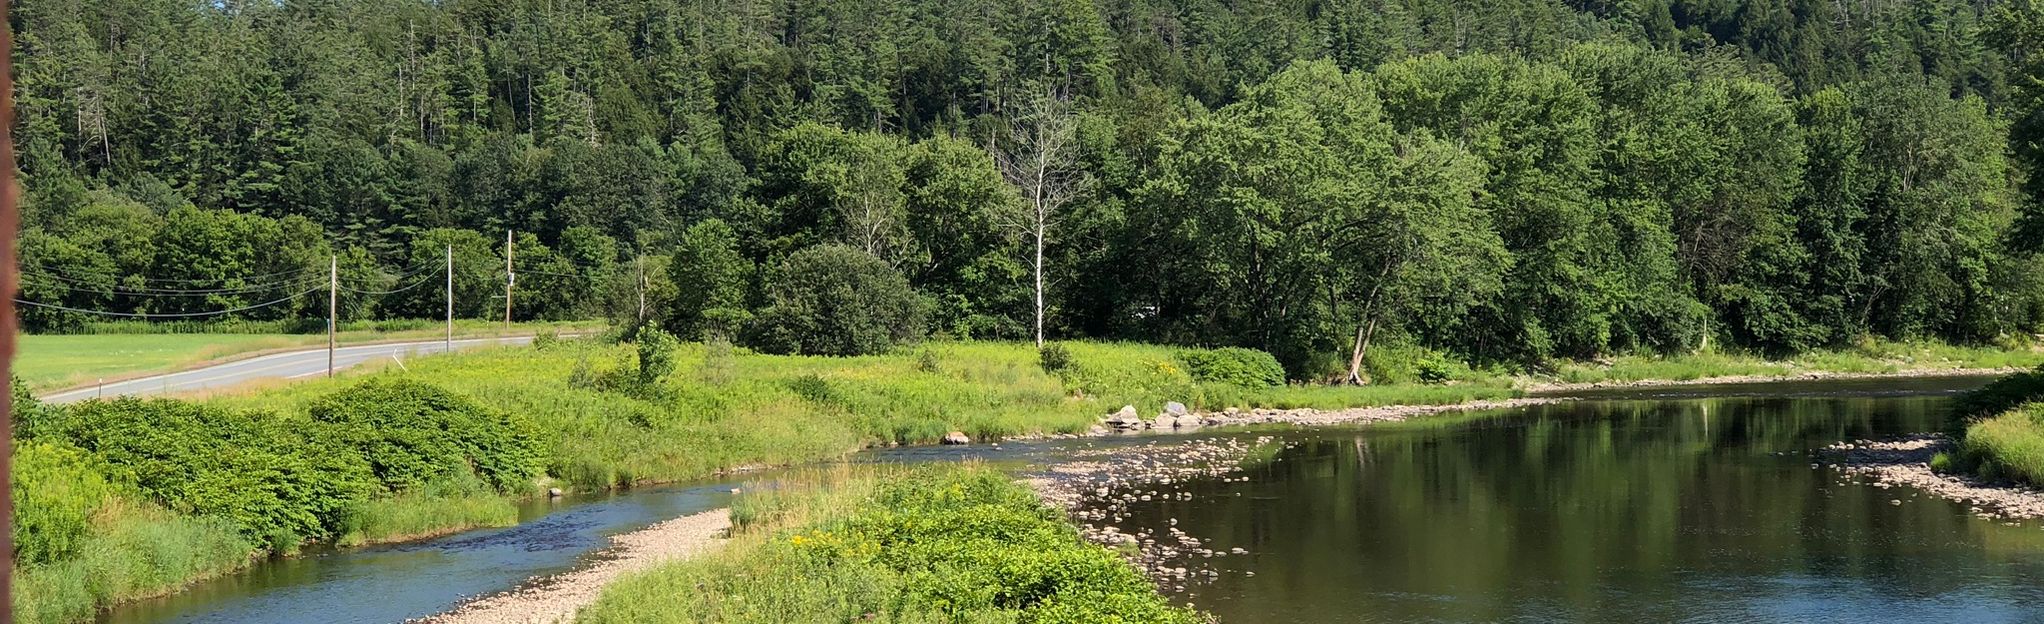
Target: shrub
[656, 355]
[56, 489]
[1406, 364]
[412, 433]
[1054, 357]
[545, 340]
[1238, 366]
[2001, 396]
[276, 478]
[836, 300]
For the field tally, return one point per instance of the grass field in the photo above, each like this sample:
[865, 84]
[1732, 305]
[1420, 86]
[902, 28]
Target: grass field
[56, 362]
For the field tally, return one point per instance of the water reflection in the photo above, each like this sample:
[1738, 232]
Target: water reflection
[1695, 510]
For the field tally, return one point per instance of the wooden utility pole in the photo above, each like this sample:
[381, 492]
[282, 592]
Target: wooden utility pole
[448, 345]
[333, 309]
[509, 279]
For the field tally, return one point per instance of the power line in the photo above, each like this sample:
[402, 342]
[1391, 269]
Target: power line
[143, 315]
[202, 280]
[128, 292]
[97, 286]
[428, 278]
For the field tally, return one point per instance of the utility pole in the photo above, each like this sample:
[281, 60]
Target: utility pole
[333, 309]
[509, 279]
[448, 346]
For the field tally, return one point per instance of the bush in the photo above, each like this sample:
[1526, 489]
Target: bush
[2001, 396]
[2009, 446]
[1237, 366]
[412, 433]
[56, 490]
[656, 355]
[278, 479]
[1406, 364]
[1054, 357]
[836, 300]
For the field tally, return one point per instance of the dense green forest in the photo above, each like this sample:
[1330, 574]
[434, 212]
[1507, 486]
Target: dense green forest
[1506, 181]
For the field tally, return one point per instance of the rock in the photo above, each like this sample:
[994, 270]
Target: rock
[956, 437]
[1175, 408]
[1166, 421]
[554, 492]
[1124, 420]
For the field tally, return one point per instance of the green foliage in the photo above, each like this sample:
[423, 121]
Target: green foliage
[836, 300]
[1054, 358]
[1239, 366]
[276, 478]
[134, 550]
[412, 433]
[945, 544]
[656, 355]
[2008, 446]
[711, 281]
[56, 491]
[2001, 395]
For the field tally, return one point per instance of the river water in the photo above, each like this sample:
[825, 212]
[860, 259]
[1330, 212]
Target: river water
[1689, 504]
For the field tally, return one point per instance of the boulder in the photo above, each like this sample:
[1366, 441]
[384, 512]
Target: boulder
[1125, 420]
[1166, 421]
[956, 437]
[1175, 408]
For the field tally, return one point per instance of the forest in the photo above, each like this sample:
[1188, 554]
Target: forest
[1509, 181]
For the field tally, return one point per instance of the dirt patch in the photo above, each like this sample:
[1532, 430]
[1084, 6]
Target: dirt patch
[557, 598]
[1905, 462]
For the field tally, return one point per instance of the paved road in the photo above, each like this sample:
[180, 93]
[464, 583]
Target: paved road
[287, 365]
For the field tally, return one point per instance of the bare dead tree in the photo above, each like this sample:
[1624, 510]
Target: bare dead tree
[1040, 159]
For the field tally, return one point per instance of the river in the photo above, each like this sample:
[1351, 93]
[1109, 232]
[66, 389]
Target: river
[1697, 503]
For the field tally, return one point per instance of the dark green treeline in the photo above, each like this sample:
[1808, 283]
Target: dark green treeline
[1509, 181]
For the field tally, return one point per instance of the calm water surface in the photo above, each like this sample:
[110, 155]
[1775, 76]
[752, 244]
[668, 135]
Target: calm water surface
[1696, 504]
[1656, 510]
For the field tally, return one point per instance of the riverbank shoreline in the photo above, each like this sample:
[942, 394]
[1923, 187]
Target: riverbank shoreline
[1905, 462]
[557, 598]
[1223, 418]
[1548, 388]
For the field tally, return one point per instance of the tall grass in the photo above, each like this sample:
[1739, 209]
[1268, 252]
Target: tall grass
[2009, 446]
[936, 544]
[1870, 356]
[136, 550]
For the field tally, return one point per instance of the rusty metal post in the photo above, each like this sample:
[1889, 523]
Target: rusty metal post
[10, 283]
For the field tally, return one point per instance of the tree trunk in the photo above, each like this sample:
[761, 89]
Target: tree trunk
[1355, 362]
[1039, 285]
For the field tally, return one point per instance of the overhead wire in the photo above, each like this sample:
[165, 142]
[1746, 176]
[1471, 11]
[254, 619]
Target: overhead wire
[153, 315]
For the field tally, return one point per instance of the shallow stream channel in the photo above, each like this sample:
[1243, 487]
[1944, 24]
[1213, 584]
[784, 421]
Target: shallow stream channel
[1674, 504]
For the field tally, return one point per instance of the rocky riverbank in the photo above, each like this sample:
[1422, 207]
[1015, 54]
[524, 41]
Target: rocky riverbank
[1546, 387]
[1176, 417]
[1097, 488]
[1905, 462]
[556, 599]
